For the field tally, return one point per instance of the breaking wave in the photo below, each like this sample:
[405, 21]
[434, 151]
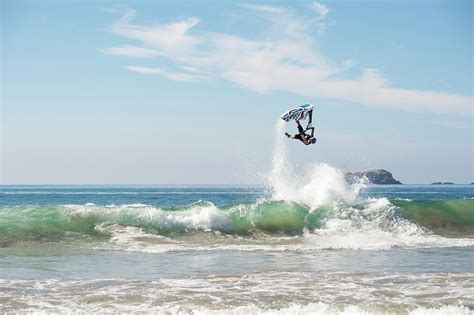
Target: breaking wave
[371, 223]
[318, 210]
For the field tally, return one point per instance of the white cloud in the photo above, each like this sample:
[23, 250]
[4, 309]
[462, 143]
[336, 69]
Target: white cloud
[286, 60]
[177, 76]
[146, 70]
[320, 8]
[168, 38]
[264, 8]
[131, 51]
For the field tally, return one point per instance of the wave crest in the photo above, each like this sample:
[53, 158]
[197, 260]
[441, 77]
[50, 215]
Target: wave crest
[319, 207]
[272, 225]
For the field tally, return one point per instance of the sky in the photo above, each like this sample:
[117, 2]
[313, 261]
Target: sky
[175, 92]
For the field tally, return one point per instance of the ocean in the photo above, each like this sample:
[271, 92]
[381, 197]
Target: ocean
[310, 244]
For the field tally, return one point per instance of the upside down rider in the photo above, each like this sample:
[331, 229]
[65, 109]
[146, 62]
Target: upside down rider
[306, 138]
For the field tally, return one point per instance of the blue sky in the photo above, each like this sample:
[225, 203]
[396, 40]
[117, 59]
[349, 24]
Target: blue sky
[161, 92]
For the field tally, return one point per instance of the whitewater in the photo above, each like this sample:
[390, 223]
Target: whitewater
[297, 243]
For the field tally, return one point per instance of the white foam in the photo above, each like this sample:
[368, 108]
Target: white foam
[323, 183]
[254, 293]
[351, 222]
[200, 216]
[443, 310]
[327, 309]
[134, 239]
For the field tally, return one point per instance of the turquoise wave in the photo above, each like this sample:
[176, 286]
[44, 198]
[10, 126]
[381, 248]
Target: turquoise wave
[56, 223]
[446, 217]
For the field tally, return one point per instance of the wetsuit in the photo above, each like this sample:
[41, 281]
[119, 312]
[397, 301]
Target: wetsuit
[299, 134]
[302, 133]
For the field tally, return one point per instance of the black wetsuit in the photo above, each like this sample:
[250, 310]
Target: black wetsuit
[301, 135]
[301, 131]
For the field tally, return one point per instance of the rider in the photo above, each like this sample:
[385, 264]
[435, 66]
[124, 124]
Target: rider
[307, 139]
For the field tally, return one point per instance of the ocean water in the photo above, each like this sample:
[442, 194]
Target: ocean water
[309, 244]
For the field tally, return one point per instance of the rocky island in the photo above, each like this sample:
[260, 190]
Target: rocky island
[378, 176]
[440, 183]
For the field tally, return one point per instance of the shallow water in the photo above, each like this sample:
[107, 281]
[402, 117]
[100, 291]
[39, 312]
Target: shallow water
[239, 249]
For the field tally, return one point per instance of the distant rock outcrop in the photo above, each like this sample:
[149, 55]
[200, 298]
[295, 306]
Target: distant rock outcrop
[440, 183]
[379, 177]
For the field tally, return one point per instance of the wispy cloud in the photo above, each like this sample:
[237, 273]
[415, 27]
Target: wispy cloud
[167, 38]
[177, 76]
[264, 8]
[286, 60]
[131, 51]
[453, 124]
[321, 9]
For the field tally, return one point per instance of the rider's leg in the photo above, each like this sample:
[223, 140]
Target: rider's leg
[300, 129]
